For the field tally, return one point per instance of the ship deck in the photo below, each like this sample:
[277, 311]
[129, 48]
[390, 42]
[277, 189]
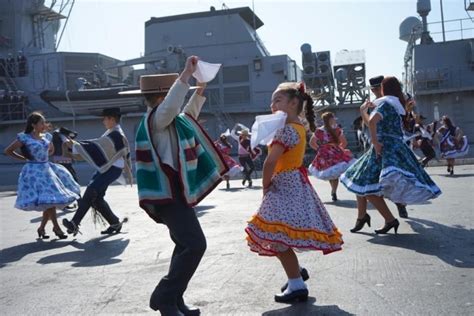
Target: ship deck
[424, 270]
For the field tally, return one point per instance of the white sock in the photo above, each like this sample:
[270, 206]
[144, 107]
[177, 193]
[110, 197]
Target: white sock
[294, 285]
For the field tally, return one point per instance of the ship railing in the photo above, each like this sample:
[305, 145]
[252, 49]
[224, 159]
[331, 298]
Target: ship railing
[10, 111]
[455, 29]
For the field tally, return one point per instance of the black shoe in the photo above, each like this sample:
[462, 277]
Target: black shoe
[334, 197]
[452, 171]
[227, 185]
[360, 223]
[402, 210]
[167, 310]
[393, 224]
[295, 296]
[114, 228]
[71, 227]
[59, 233]
[243, 181]
[42, 234]
[250, 183]
[304, 275]
[187, 310]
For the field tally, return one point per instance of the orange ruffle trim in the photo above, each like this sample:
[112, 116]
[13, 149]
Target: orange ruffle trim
[295, 233]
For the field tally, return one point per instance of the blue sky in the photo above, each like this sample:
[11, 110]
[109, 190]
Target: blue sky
[116, 27]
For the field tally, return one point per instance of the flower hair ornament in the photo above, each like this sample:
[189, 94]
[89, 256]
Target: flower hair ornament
[301, 89]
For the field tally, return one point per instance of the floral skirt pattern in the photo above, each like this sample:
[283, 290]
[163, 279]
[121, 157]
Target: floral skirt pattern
[396, 175]
[330, 162]
[45, 185]
[292, 216]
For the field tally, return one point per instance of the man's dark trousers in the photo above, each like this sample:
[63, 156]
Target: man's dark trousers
[94, 196]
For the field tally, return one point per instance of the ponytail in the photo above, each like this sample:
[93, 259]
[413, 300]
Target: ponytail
[309, 112]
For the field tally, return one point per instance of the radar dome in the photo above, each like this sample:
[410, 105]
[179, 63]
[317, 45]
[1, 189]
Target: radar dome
[408, 26]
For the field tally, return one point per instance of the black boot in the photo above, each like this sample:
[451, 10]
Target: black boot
[114, 228]
[187, 310]
[166, 307]
[71, 227]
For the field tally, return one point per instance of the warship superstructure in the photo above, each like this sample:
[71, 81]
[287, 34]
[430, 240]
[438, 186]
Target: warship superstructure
[71, 88]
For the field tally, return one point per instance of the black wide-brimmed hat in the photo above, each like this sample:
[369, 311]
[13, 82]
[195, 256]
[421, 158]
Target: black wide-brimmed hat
[375, 82]
[112, 112]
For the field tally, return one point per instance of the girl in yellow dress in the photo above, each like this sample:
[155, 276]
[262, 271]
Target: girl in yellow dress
[291, 216]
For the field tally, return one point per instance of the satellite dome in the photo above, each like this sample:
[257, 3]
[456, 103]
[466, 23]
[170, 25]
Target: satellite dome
[408, 26]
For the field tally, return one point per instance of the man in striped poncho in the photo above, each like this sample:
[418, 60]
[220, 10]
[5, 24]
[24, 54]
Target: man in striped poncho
[177, 166]
[110, 156]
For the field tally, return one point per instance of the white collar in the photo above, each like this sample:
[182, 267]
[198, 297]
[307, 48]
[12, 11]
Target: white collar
[393, 101]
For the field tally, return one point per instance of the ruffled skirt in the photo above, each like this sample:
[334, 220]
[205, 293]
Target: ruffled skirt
[452, 152]
[397, 175]
[45, 185]
[330, 162]
[292, 216]
[234, 167]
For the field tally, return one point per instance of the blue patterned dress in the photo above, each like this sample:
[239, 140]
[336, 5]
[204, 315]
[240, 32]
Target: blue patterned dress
[396, 175]
[43, 184]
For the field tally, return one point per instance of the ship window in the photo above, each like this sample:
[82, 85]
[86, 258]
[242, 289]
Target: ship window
[237, 95]
[236, 74]
[208, 34]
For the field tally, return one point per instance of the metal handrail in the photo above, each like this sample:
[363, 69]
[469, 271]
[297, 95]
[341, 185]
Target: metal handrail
[461, 29]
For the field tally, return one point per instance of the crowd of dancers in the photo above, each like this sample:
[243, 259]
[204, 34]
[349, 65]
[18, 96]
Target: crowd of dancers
[177, 165]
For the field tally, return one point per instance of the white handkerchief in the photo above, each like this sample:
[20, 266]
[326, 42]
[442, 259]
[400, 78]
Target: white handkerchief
[205, 72]
[265, 128]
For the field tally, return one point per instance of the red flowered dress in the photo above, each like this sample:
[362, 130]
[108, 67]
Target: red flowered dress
[234, 167]
[291, 214]
[331, 159]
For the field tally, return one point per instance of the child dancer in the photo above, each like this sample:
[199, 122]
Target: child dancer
[223, 145]
[42, 185]
[291, 216]
[332, 159]
[389, 169]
